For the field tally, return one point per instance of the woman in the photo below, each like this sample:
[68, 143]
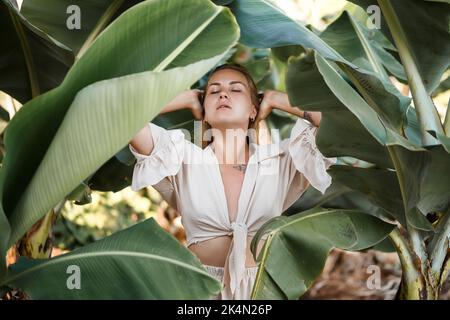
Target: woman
[227, 190]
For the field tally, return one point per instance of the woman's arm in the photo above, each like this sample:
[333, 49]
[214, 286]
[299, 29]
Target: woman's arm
[143, 140]
[279, 100]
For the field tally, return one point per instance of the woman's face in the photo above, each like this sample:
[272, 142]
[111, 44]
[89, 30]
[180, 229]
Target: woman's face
[228, 102]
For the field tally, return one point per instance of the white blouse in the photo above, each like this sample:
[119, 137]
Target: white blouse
[189, 179]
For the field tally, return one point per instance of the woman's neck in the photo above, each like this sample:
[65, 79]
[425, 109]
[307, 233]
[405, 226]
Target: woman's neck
[230, 146]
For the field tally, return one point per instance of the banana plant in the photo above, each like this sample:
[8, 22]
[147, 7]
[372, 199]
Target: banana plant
[39, 48]
[40, 44]
[344, 73]
[110, 92]
[33, 61]
[364, 118]
[302, 241]
[141, 262]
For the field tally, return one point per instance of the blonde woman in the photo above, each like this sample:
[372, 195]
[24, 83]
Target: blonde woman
[227, 190]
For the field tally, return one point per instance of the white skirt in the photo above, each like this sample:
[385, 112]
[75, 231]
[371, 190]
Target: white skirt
[243, 292]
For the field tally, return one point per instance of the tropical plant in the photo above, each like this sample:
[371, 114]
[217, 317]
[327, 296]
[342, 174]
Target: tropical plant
[404, 146]
[46, 137]
[70, 139]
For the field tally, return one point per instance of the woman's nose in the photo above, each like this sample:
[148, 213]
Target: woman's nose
[223, 95]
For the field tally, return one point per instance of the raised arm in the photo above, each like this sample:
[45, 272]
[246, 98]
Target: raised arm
[279, 100]
[143, 142]
[304, 163]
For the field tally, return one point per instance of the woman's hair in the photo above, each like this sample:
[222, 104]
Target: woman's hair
[255, 97]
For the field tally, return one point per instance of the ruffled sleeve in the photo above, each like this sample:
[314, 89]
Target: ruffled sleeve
[165, 159]
[306, 157]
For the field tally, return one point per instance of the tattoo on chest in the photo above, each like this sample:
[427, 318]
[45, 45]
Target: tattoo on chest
[240, 167]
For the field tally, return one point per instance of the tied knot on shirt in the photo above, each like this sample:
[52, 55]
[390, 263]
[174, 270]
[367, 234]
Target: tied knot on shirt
[238, 254]
[239, 226]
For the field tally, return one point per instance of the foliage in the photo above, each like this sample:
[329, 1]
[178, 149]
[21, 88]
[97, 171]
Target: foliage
[393, 149]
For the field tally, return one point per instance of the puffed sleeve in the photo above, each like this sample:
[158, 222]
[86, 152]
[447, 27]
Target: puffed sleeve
[165, 160]
[304, 163]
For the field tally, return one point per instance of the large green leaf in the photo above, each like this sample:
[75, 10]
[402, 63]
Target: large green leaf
[52, 17]
[361, 46]
[355, 43]
[222, 2]
[425, 25]
[258, 69]
[31, 62]
[384, 132]
[435, 186]
[337, 196]
[263, 25]
[141, 262]
[114, 175]
[306, 87]
[435, 21]
[39, 47]
[46, 165]
[318, 86]
[302, 242]
[4, 237]
[340, 132]
[404, 186]
[284, 53]
[411, 168]
[373, 183]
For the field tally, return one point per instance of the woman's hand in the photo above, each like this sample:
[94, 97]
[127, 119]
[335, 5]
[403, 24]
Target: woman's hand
[271, 100]
[195, 104]
[280, 100]
[189, 99]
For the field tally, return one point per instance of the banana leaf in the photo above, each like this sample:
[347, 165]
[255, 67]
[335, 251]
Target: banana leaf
[425, 25]
[52, 17]
[384, 132]
[141, 262]
[365, 48]
[32, 62]
[356, 43]
[435, 187]
[112, 91]
[303, 242]
[263, 25]
[337, 196]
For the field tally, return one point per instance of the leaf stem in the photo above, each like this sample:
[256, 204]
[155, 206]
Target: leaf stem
[439, 248]
[414, 284]
[426, 111]
[29, 61]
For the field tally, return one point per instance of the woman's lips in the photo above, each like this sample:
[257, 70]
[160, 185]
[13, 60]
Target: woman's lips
[223, 107]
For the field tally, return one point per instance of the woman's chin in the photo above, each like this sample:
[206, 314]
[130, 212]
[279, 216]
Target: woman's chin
[229, 124]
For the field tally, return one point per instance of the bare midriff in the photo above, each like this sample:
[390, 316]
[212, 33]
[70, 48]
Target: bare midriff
[214, 251]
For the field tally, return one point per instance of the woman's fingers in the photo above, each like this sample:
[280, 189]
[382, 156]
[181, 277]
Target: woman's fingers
[196, 103]
[265, 109]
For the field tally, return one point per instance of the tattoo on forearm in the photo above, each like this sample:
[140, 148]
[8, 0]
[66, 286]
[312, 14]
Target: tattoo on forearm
[307, 116]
